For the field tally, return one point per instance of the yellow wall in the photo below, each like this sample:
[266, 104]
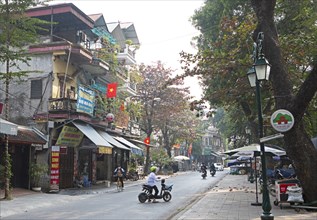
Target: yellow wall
[60, 68]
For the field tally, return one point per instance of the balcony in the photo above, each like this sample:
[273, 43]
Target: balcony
[128, 88]
[126, 56]
[61, 109]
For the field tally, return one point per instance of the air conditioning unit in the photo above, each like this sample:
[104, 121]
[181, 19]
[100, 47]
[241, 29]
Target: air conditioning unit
[82, 37]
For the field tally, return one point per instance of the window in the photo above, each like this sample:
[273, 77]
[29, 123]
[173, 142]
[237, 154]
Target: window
[36, 89]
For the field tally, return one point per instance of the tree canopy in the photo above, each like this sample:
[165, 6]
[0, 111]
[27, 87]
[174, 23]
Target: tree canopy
[225, 47]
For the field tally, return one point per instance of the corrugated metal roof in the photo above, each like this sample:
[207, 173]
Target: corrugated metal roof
[26, 135]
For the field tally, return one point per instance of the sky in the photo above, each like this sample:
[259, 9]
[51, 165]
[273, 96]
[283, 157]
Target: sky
[162, 26]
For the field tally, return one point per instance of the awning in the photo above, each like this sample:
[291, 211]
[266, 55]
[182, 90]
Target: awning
[112, 141]
[26, 135]
[134, 149]
[92, 134]
[7, 127]
[214, 154]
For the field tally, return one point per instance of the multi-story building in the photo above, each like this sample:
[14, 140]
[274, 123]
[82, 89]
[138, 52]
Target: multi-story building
[66, 94]
[212, 146]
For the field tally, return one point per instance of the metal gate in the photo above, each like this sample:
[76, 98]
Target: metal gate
[66, 171]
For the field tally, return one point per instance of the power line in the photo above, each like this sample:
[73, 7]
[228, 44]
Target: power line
[17, 98]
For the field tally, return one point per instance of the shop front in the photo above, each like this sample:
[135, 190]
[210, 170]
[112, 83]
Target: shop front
[120, 153]
[88, 159]
[23, 147]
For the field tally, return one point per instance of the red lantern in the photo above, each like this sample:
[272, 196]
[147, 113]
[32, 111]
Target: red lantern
[110, 117]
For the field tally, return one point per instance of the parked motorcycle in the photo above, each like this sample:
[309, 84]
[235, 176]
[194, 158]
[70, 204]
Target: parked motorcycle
[164, 192]
[133, 176]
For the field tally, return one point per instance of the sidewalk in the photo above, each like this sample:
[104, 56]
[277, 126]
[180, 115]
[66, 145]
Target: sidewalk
[231, 199]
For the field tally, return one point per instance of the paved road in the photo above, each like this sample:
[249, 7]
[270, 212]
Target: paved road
[108, 203]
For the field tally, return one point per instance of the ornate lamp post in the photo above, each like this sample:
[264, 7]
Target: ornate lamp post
[258, 72]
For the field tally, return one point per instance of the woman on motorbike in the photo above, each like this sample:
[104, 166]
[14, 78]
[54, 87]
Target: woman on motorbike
[152, 179]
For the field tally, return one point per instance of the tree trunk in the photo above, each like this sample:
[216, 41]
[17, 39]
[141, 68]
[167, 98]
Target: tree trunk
[7, 156]
[298, 145]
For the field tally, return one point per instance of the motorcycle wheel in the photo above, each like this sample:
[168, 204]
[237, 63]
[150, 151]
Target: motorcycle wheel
[142, 197]
[167, 196]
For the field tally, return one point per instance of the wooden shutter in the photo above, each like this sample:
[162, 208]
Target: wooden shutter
[36, 89]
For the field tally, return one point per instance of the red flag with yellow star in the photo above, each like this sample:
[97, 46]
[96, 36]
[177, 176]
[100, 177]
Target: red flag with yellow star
[112, 90]
[147, 140]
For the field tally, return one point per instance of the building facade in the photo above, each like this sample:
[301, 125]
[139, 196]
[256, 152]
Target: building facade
[65, 96]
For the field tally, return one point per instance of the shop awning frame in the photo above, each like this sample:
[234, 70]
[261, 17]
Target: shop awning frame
[112, 141]
[92, 134]
[134, 149]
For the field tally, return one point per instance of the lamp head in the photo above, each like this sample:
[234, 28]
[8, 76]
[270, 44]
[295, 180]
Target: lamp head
[252, 76]
[262, 68]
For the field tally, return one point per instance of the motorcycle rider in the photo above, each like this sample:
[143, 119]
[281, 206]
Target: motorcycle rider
[152, 179]
[119, 172]
[203, 169]
[212, 169]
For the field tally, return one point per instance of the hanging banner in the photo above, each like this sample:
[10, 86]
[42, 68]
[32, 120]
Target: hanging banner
[85, 100]
[54, 180]
[69, 136]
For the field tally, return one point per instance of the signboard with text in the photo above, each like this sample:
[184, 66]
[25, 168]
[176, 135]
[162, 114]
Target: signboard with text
[69, 136]
[85, 100]
[54, 180]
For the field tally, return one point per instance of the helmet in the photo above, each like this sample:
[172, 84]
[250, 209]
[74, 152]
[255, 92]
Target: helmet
[153, 169]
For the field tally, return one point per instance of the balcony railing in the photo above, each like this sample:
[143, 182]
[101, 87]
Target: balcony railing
[62, 104]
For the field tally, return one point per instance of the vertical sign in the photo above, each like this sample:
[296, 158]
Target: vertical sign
[54, 183]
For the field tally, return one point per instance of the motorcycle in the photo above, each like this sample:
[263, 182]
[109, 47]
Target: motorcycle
[164, 192]
[204, 175]
[212, 172]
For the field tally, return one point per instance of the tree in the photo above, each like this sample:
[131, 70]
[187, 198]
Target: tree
[298, 145]
[223, 57]
[17, 31]
[150, 91]
[172, 117]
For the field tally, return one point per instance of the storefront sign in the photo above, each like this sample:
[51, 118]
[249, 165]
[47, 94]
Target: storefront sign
[55, 156]
[70, 136]
[282, 120]
[104, 150]
[85, 100]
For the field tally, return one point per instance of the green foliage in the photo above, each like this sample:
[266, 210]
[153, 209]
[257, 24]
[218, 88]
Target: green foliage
[37, 170]
[18, 31]
[160, 157]
[225, 46]
[109, 54]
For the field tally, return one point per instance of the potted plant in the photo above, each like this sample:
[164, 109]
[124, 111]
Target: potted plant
[37, 170]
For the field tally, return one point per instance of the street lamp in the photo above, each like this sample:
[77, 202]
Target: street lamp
[258, 72]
